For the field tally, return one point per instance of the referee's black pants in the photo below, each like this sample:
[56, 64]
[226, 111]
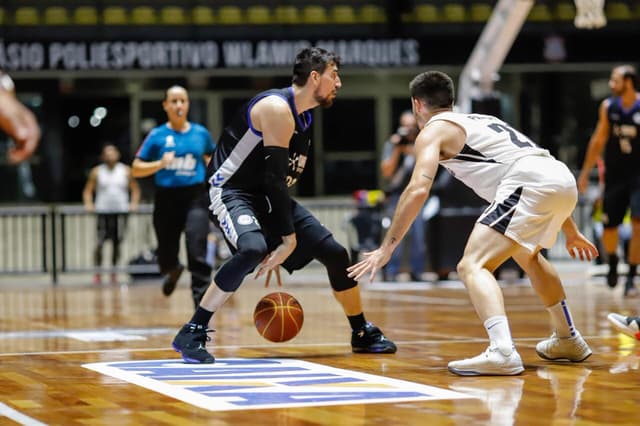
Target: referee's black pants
[183, 209]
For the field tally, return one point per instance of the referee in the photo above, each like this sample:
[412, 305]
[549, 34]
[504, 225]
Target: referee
[177, 153]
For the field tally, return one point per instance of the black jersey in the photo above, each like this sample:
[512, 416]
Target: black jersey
[622, 154]
[238, 161]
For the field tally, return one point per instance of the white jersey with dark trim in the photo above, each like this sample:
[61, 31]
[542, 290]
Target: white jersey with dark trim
[491, 148]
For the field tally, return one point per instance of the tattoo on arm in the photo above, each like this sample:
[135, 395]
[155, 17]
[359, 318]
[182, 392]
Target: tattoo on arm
[393, 240]
[428, 177]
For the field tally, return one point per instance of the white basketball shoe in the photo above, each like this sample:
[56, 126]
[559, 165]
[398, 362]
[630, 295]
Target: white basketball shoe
[627, 325]
[491, 362]
[573, 349]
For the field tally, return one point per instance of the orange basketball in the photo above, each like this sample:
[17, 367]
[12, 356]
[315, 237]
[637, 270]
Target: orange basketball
[278, 317]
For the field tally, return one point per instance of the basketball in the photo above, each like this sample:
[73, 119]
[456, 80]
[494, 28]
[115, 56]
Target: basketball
[278, 317]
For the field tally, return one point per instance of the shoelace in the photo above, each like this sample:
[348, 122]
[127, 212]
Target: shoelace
[202, 336]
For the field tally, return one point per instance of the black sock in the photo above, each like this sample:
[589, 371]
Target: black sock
[357, 321]
[632, 271]
[201, 317]
[613, 261]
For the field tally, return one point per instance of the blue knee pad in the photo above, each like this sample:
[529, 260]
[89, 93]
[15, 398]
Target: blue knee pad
[252, 249]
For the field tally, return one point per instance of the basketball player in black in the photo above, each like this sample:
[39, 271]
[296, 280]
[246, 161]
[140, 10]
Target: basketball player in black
[618, 135]
[261, 153]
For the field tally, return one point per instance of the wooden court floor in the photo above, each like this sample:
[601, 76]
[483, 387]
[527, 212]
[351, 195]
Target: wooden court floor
[47, 334]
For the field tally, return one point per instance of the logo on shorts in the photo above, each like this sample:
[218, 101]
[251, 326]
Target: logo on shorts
[636, 118]
[245, 219]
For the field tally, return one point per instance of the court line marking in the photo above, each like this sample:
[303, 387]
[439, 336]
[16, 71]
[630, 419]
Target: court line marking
[315, 385]
[451, 340]
[18, 417]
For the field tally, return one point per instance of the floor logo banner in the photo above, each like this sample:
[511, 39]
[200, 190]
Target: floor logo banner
[241, 384]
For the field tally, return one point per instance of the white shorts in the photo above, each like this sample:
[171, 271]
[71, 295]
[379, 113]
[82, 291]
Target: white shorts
[532, 201]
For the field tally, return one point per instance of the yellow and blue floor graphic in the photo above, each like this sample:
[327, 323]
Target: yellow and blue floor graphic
[243, 383]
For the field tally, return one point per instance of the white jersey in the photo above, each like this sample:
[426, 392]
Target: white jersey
[492, 147]
[112, 189]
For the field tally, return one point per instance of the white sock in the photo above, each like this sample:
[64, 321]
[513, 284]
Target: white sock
[499, 335]
[561, 319]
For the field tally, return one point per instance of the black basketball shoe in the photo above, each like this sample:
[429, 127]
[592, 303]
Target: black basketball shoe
[629, 287]
[191, 341]
[369, 339]
[171, 280]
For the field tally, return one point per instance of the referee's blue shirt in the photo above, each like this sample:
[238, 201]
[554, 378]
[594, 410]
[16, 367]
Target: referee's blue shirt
[188, 166]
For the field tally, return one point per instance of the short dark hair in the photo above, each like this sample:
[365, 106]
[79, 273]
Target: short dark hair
[629, 72]
[312, 59]
[433, 87]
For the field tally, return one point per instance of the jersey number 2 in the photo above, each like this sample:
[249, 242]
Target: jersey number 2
[516, 137]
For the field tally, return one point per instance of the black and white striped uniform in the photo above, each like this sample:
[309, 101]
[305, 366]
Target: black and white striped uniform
[531, 193]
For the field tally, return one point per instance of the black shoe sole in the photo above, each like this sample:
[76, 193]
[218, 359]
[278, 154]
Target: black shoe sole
[189, 360]
[171, 281]
[369, 350]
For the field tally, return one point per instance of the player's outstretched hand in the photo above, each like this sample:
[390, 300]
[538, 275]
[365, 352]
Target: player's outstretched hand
[579, 246]
[21, 125]
[370, 264]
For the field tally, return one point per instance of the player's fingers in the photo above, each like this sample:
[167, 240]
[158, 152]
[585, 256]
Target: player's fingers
[372, 275]
[262, 267]
[358, 270]
[278, 279]
[266, 282]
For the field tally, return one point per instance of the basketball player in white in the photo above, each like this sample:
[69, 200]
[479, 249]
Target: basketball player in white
[532, 196]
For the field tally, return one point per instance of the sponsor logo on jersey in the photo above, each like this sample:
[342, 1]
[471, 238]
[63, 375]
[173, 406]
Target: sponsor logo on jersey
[245, 219]
[296, 167]
[169, 142]
[242, 384]
[217, 179]
[183, 165]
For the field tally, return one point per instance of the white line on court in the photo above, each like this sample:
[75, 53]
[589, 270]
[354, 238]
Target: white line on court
[18, 417]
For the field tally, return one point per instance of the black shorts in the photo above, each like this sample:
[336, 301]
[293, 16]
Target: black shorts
[618, 198]
[236, 212]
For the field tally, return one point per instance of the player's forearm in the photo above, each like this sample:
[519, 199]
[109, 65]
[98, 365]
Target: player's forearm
[569, 227]
[140, 168]
[591, 157]
[409, 206]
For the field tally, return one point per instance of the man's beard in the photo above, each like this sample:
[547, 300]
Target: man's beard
[324, 102]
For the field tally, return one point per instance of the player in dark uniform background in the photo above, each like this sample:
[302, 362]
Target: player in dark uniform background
[617, 134]
[177, 152]
[260, 153]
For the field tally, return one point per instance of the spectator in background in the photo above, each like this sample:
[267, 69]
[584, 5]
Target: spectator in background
[618, 135]
[396, 167]
[111, 181]
[177, 153]
[18, 122]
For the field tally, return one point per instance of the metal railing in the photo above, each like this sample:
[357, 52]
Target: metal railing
[55, 239]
